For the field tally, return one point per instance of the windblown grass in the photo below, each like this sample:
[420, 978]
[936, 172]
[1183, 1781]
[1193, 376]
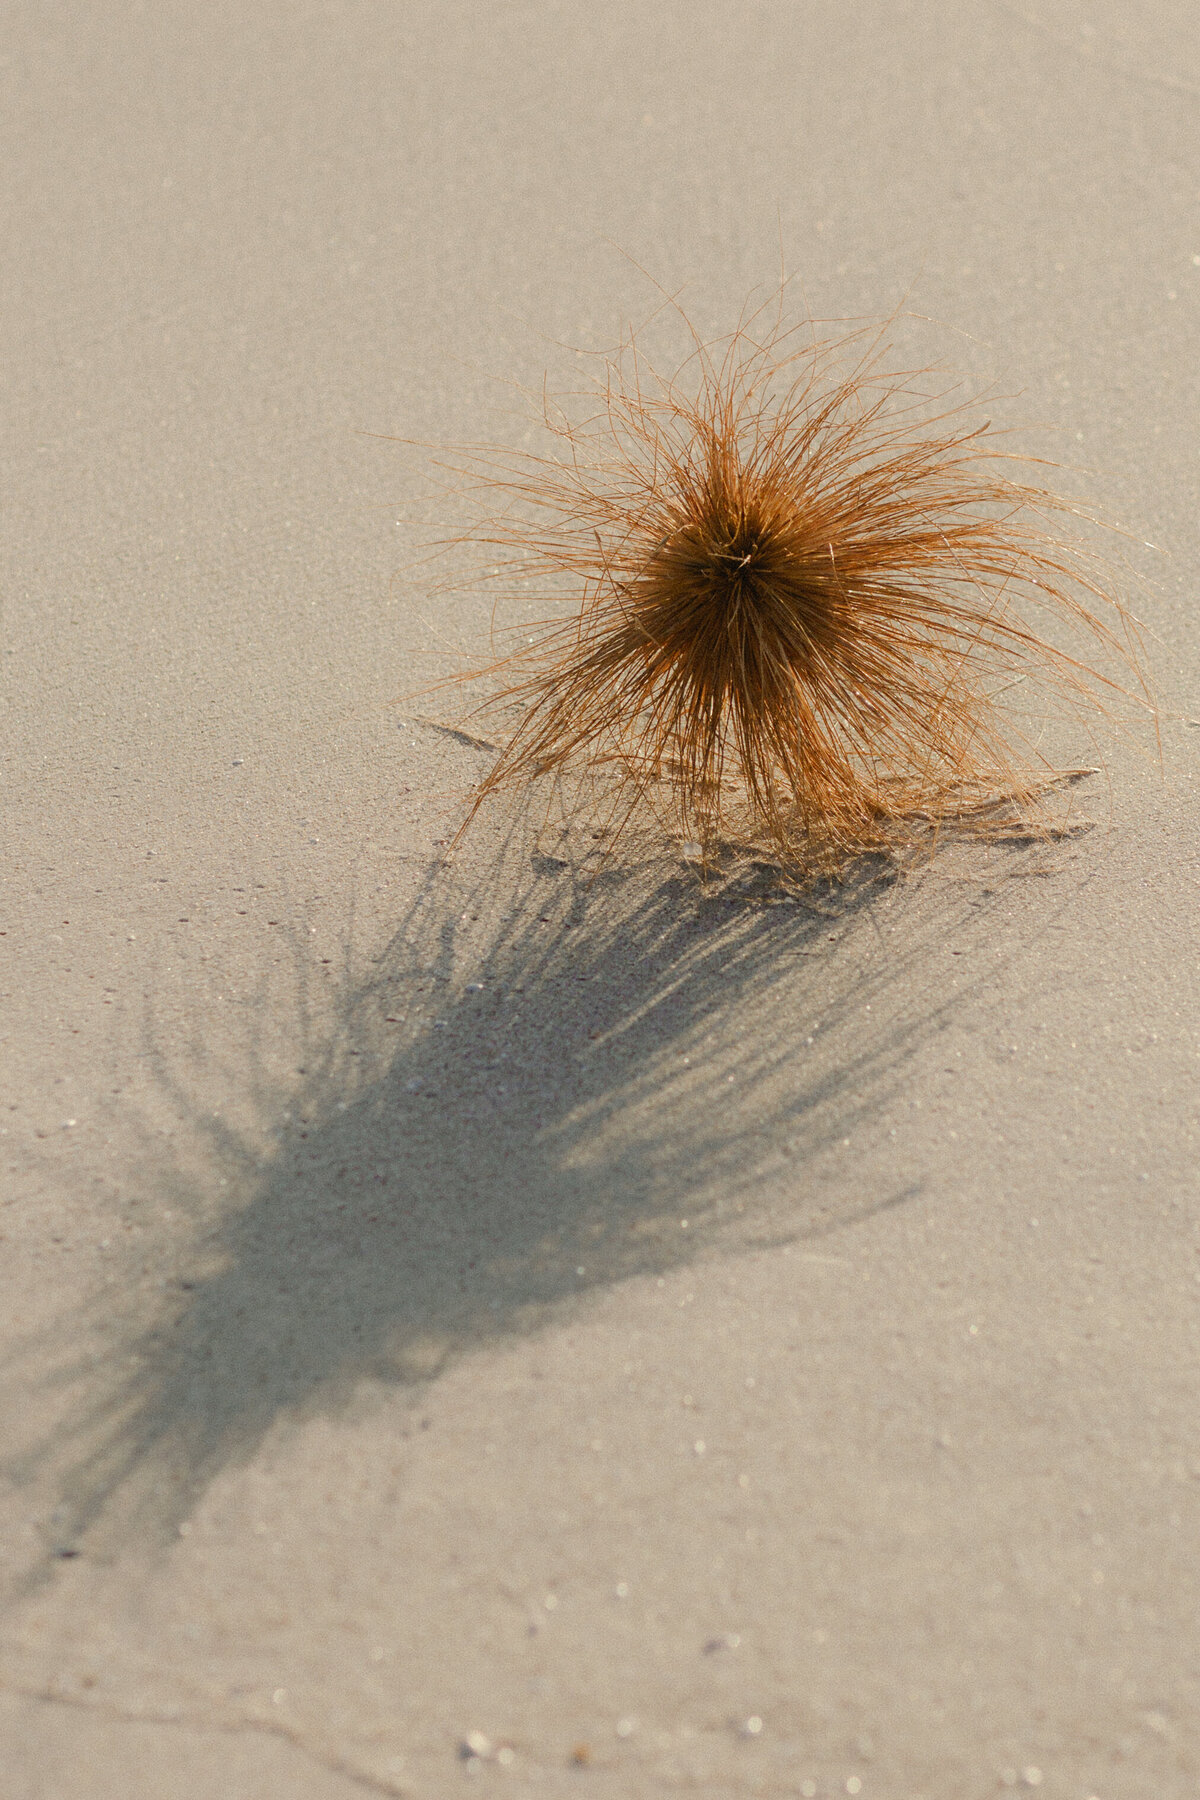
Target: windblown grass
[788, 588]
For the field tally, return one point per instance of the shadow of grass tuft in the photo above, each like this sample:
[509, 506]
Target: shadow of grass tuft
[514, 1105]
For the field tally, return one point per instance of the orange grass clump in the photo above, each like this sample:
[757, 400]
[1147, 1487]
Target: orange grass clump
[793, 587]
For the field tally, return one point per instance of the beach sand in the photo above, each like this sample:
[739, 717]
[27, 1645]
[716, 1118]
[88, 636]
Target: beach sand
[529, 1325]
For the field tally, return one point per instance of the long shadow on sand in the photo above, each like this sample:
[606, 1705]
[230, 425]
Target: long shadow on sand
[520, 1101]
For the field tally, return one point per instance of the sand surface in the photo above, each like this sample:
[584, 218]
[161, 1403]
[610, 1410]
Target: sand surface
[708, 1349]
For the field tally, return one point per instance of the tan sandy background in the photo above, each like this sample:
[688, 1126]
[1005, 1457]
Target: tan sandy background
[699, 1346]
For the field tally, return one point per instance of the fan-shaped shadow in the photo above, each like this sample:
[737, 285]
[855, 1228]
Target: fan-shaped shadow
[522, 1100]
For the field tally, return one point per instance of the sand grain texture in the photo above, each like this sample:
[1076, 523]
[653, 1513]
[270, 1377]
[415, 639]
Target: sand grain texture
[693, 1342]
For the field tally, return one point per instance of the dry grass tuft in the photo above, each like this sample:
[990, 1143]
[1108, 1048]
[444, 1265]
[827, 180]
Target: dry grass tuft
[788, 587]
